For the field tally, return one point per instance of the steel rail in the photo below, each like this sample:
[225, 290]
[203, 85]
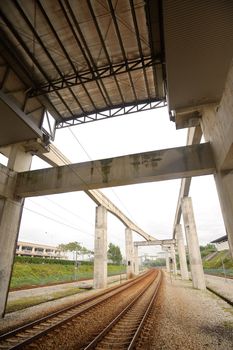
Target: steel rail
[123, 313]
[140, 327]
[45, 321]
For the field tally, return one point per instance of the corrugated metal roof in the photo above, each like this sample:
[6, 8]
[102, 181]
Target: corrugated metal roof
[87, 56]
[198, 39]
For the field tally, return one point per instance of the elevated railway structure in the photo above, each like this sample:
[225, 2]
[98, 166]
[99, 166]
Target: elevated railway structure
[64, 63]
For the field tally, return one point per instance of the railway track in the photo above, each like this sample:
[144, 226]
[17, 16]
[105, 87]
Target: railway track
[123, 331]
[21, 337]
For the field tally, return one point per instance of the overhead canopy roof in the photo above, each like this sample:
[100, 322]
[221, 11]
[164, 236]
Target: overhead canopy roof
[84, 60]
[87, 57]
[198, 38]
[220, 239]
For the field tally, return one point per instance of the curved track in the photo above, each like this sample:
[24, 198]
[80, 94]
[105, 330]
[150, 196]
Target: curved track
[123, 331]
[34, 331]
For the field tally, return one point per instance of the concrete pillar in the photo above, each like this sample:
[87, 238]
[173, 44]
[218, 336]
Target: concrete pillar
[136, 262]
[10, 218]
[224, 184]
[196, 267]
[167, 260]
[100, 257]
[182, 254]
[173, 256]
[217, 127]
[129, 252]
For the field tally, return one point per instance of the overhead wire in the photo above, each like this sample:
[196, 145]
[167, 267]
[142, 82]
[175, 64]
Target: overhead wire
[69, 211]
[58, 221]
[50, 211]
[114, 192]
[64, 160]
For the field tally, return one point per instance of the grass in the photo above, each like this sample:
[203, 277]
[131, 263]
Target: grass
[23, 303]
[216, 261]
[27, 275]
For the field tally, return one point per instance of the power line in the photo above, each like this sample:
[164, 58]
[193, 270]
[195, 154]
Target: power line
[69, 211]
[48, 210]
[59, 222]
[89, 157]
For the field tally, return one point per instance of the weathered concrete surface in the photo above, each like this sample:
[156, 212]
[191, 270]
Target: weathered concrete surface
[154, 242]
[7, 182]
[217, 125]
[173, 256]
[10, 217]
[182, 253]
[167, 260]
[136, 260]
[193, 137]
[129, 252]
[197, 273]
[159, 165]
[55, 158]
[100, 257]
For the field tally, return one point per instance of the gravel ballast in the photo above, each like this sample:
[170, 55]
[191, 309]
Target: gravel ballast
[188, 319]
[183, 318]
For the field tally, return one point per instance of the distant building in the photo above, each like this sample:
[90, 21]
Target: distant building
[39, 250]
[221, 243]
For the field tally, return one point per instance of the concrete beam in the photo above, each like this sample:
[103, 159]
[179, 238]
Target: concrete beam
[187, 120]
[16, 126]
[101, 199]
[190, 116]
[54, 157]
[155, 242]
[159, 165]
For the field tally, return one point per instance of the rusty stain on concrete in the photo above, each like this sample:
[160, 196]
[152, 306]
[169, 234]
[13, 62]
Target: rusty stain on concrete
[105, 168]
[59, 173]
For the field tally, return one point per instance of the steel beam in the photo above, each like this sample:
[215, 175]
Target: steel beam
[111, 113]
[96, 74]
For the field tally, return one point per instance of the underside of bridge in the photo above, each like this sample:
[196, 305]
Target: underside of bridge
[68, 62]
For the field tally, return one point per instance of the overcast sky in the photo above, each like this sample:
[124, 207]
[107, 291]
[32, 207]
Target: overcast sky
[71, 217]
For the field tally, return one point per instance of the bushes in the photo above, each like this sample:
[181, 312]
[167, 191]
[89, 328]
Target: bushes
[216, 262]
[37, 260]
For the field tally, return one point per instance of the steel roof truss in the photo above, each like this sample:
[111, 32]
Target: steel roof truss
[116, 112]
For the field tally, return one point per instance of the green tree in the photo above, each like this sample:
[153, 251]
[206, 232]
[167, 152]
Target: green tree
[74, 247]
[114, 253]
